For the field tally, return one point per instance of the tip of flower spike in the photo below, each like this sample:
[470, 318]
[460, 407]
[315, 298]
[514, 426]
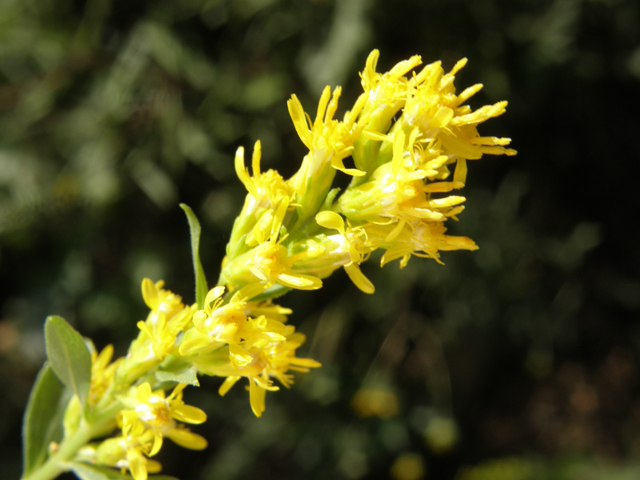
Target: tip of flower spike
[368, 75]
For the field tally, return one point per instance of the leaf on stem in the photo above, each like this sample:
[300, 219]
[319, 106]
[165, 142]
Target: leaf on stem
[201, 281]
[186, 375]
[68, 356]
[42, 423]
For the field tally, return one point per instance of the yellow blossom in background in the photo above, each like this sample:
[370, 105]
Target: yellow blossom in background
[408, 466]
[369, 402]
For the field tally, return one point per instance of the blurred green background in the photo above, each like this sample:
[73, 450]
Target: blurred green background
[515, 362]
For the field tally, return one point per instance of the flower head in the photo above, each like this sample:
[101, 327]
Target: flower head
[129, 452]
[269, 352]
[161, 415]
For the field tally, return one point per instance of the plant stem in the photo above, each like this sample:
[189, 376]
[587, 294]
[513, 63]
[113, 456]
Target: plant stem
[68, 448]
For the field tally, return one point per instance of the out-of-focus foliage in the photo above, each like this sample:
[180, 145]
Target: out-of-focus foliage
[519, 361]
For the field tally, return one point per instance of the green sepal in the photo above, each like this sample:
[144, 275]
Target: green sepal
[84, 471]
[328, 201]
[42, 423]
[201, 281]
[68, 356]
[172, 370]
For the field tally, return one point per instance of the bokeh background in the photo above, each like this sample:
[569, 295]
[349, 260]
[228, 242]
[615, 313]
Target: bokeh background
[515, 362]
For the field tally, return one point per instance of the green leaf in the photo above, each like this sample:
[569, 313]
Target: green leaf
[201, 281]
[187, 375]
[68, 355]
[84, 471]
[42, 422]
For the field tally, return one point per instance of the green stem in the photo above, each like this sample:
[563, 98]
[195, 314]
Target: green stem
[68, 448]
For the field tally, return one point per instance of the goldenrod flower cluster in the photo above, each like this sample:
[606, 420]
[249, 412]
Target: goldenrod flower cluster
[405, 133]
[409, 136]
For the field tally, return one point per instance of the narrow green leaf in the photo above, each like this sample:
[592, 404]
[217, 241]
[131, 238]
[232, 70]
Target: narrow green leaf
[187, 375]
[68, 355]
[84, 471]
[201, 281]
[42, 423]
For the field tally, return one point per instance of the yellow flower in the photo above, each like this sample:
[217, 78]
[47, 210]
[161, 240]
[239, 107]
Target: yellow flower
[397, 190]
[130, 452]
[266, 190]
[167, 318]
[268, 262]
[159, 414]
[215, 325]
[268, 309]
[102, 373]
[422, 239]
[161, 302]
[267, 351]
[386, 94]
[352, 241]
[102, 377]
[433, 106]
[329, 142]
[268, 196]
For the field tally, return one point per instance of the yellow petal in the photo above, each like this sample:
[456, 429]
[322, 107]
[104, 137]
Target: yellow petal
[143, 393]
[460, 147]
[188, 414]
[248, 292]
[187, 439]
[137, 464]
[330, 220]
[338, 164]
[396, 231]
[157, 444]
[256, 398]
[243, 174]
[177, 392]
[359, 279]
[227, 384]
[239, 355]
[299, 121]
[149, 293]
[213, 295]
[104, 358]
[305, 362]
[398, 151]
[153, 466]
[255, 158]
[301, 282]
[144, 328]
[460, 175]
[442, 118]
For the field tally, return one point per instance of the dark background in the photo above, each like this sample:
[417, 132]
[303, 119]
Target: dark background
[515, 362]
